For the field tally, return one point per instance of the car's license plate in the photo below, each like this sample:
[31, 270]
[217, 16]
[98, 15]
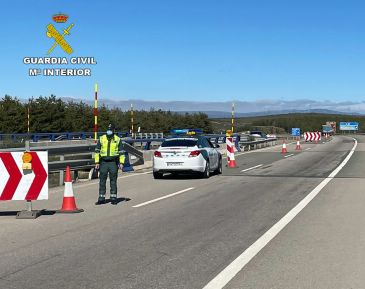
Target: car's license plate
[174, 164]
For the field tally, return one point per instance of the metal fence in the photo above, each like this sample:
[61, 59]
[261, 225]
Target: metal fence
[61, 136]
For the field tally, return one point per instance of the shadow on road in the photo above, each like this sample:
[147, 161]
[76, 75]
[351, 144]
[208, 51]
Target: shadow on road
[185, 176]
[14, 213]
[119, 200]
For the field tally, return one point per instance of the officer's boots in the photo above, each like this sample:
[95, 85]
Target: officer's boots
[113, 200]
[101, 201]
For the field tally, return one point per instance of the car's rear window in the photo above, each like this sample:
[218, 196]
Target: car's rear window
[179, 143]
[256, 132]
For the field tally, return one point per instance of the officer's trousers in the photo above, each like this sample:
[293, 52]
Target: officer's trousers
[111, 168]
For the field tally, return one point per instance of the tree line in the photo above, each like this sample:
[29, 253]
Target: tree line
[285, 122]
[52, 114]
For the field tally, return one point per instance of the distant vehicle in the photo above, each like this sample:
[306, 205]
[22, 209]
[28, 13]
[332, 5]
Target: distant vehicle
[271, 136]
[187, 155]
[258, 133]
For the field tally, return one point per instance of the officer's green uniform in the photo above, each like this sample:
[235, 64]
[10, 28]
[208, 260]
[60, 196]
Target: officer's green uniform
[109, 154]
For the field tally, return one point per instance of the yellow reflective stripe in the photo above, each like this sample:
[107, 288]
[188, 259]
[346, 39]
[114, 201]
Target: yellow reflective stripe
[97, 158]
[122, 159]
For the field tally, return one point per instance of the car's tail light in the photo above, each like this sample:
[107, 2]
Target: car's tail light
[194, 154]
[158, 154]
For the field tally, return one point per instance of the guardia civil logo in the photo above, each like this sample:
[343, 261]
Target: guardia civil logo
[59, 39]
[58, 35]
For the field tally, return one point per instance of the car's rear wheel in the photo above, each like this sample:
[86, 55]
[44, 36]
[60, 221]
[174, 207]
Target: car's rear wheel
[219, 170]
[157, 175]
[206, 173]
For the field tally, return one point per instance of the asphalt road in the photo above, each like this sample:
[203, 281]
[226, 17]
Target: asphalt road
[185, 240]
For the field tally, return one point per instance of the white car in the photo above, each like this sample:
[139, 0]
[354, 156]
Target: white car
[187, 155]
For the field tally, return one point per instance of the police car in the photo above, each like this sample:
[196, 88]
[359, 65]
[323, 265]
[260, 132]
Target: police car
[187, 155]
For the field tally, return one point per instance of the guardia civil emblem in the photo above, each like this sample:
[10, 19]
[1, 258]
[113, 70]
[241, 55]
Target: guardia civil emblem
[59, 39]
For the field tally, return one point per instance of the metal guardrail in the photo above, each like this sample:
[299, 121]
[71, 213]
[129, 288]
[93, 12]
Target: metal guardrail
[249, 145]
[59, 136]
[149, 135]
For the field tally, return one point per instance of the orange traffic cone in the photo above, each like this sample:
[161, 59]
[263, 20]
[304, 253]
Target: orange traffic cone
[298, 147]
[283, 149]
[69, 204]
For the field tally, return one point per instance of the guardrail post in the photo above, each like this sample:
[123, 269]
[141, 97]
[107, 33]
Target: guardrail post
[62, 158]
[147, 146]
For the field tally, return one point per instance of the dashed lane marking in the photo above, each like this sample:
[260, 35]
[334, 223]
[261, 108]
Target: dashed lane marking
[288, 156]
[164, 197]
[255, 167]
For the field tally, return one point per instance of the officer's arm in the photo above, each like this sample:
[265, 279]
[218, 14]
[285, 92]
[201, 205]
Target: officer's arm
[97, 152]
[121, 153]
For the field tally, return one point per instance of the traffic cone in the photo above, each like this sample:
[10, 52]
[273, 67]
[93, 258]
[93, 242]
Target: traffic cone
[283, 149]
[298, 147]
[69, 204]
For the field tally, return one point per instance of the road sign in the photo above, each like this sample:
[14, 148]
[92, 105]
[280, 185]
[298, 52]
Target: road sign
[19, 184]
[312, 136]
[332, 124]
[327, 129]
[349, 126]
[295, 131]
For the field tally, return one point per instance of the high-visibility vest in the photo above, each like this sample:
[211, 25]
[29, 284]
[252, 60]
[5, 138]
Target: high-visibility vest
[109, 149]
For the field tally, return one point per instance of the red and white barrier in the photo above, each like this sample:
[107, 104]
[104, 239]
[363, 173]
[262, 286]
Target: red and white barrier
[312, 136]
[230, 153]
[298, 147]
[16, 184]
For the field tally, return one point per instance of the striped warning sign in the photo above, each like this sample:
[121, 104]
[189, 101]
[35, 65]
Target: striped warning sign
[312, 136]
[17, 183]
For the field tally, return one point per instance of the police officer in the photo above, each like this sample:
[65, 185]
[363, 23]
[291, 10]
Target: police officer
[109, 156]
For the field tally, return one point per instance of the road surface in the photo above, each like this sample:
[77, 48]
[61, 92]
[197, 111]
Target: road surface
[182, 232]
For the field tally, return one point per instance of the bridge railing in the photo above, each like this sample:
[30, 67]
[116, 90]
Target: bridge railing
[51, 136]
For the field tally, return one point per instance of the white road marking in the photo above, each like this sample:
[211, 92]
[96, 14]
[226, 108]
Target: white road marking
[164, 197]
[252, 168]
[289, 156]
[308, 149]
[241, 261]
[135, 174]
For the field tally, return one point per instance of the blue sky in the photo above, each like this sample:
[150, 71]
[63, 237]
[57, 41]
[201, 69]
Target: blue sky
[194, 50]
